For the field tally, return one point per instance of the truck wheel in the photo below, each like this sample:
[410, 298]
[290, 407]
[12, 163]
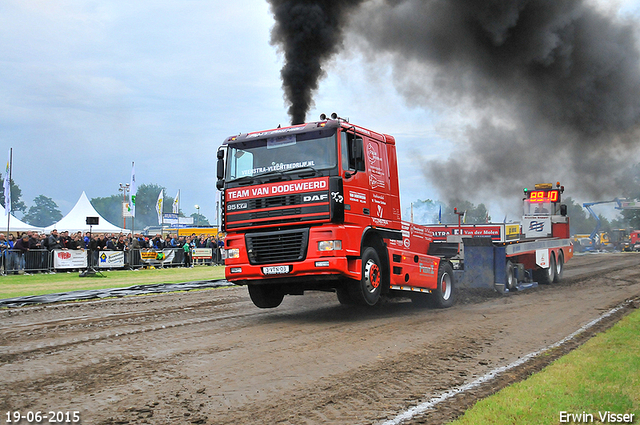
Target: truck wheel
[559, 267]
[510, 281]
[546, 276]
[343, 296]
[266, 296]
[367, 290]
[444, 295]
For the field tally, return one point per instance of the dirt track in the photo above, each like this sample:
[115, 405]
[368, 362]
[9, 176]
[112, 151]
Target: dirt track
[212, 357]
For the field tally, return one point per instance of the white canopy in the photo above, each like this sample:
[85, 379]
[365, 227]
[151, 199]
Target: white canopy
[76, 220]
[15, 225]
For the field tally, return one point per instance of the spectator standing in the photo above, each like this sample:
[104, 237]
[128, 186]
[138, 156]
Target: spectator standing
[3, 248]
[187, 253]
[21, 247]
[12, 256]
[54, 241]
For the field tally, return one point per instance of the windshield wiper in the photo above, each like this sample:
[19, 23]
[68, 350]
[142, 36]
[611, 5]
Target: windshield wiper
[243, 180]
[306, 167]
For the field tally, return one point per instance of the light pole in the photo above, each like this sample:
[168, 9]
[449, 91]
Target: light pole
[197, 216]
[124, 188]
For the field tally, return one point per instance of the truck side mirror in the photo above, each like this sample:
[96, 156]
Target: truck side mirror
[563, 210]
[220, 169]
[358, 153]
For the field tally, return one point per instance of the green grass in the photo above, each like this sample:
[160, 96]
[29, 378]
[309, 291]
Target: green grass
[602, 375]
[40, 284]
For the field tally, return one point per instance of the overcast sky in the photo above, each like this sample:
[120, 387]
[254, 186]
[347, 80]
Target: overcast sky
[87, 87]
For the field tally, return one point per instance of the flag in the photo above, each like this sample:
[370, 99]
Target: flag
[464, 217]
[133, 188]
[440, 215]
[7, 186]
[159, 206]
[176, 204]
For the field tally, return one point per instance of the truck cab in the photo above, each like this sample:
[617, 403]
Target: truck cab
[302, 203]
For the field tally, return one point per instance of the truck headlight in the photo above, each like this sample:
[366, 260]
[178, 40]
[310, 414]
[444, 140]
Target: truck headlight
[329, 245]
[233, 253]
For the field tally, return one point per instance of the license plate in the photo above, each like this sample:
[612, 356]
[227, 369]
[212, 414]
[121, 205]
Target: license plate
[276, 270]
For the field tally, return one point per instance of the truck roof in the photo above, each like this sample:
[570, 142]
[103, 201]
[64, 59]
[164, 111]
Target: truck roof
[303, 128]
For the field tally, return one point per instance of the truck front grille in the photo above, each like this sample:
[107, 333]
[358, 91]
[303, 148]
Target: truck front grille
[282, 246]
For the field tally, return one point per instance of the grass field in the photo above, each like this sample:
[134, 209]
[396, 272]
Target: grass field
[40, 284]
[601, 376]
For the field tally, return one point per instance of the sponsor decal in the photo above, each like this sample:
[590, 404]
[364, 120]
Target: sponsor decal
[237, 206]
[358, 197]
[536, 226]
[337, 197]
[276, 189]
[315, 198]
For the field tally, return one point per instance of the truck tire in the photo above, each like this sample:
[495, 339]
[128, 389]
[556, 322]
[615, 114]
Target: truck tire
[559, 267]
[510, 281]
[367, 290]
[548, 275]
[343, 296]
[266, 296]
[444, 296]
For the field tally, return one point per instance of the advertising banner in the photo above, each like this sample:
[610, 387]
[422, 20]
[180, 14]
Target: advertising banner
[65, 259]
[201, 253]
[157, 257]
[111, 259]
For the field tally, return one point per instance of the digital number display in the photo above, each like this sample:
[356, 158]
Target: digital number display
[544, 196]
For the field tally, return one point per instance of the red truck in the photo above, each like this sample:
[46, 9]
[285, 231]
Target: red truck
[316, 206]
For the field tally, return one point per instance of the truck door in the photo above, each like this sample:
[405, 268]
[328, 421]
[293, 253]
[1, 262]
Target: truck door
[357, 193]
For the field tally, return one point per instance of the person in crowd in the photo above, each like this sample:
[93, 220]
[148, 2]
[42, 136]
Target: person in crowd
[11, 257]
[3, 248]
[54, 241]
[187, 252]
[157, 242]
[121, 244]
[21, 247]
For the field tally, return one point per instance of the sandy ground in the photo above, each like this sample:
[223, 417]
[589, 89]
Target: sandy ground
[212, 357]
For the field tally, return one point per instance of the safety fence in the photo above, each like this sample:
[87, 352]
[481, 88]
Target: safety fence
[44, 261]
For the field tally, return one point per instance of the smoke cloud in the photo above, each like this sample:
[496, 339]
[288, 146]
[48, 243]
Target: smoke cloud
[308, 33]
[553, 88]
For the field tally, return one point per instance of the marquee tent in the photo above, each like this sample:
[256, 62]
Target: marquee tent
[76, 220]
[15, 225]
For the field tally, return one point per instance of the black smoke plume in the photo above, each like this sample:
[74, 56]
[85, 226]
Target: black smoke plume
[309, 33]
[552, 88]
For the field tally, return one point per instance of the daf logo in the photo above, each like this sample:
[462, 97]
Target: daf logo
[314, 198]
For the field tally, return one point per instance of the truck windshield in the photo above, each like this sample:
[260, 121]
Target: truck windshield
[316, 150]
[539, 208]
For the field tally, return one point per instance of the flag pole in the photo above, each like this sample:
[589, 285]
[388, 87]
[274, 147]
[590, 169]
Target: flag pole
[7, 202]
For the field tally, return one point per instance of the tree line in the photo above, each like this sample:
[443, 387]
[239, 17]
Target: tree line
[44, 211]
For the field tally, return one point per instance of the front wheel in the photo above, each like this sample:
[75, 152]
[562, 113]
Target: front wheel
[367, 290]
[444, 296]
[266, 296]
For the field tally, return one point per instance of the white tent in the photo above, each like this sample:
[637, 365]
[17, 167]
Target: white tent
[15, 225]
[76, 220]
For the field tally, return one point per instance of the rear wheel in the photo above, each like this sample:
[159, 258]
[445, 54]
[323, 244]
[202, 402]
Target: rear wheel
[548, 275]
[559, 267]
[510, 280]
[266, 296]
[367, 290]
[444, 295]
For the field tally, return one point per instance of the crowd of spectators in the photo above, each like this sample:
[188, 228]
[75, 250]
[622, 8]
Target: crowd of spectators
[14, 248]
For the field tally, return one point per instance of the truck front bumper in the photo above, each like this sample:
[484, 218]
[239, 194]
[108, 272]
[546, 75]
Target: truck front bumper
[319, 268]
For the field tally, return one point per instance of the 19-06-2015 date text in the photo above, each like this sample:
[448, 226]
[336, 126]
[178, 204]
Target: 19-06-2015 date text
[38, 417]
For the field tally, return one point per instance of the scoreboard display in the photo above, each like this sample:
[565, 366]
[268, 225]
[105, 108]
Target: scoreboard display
[544, 195]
